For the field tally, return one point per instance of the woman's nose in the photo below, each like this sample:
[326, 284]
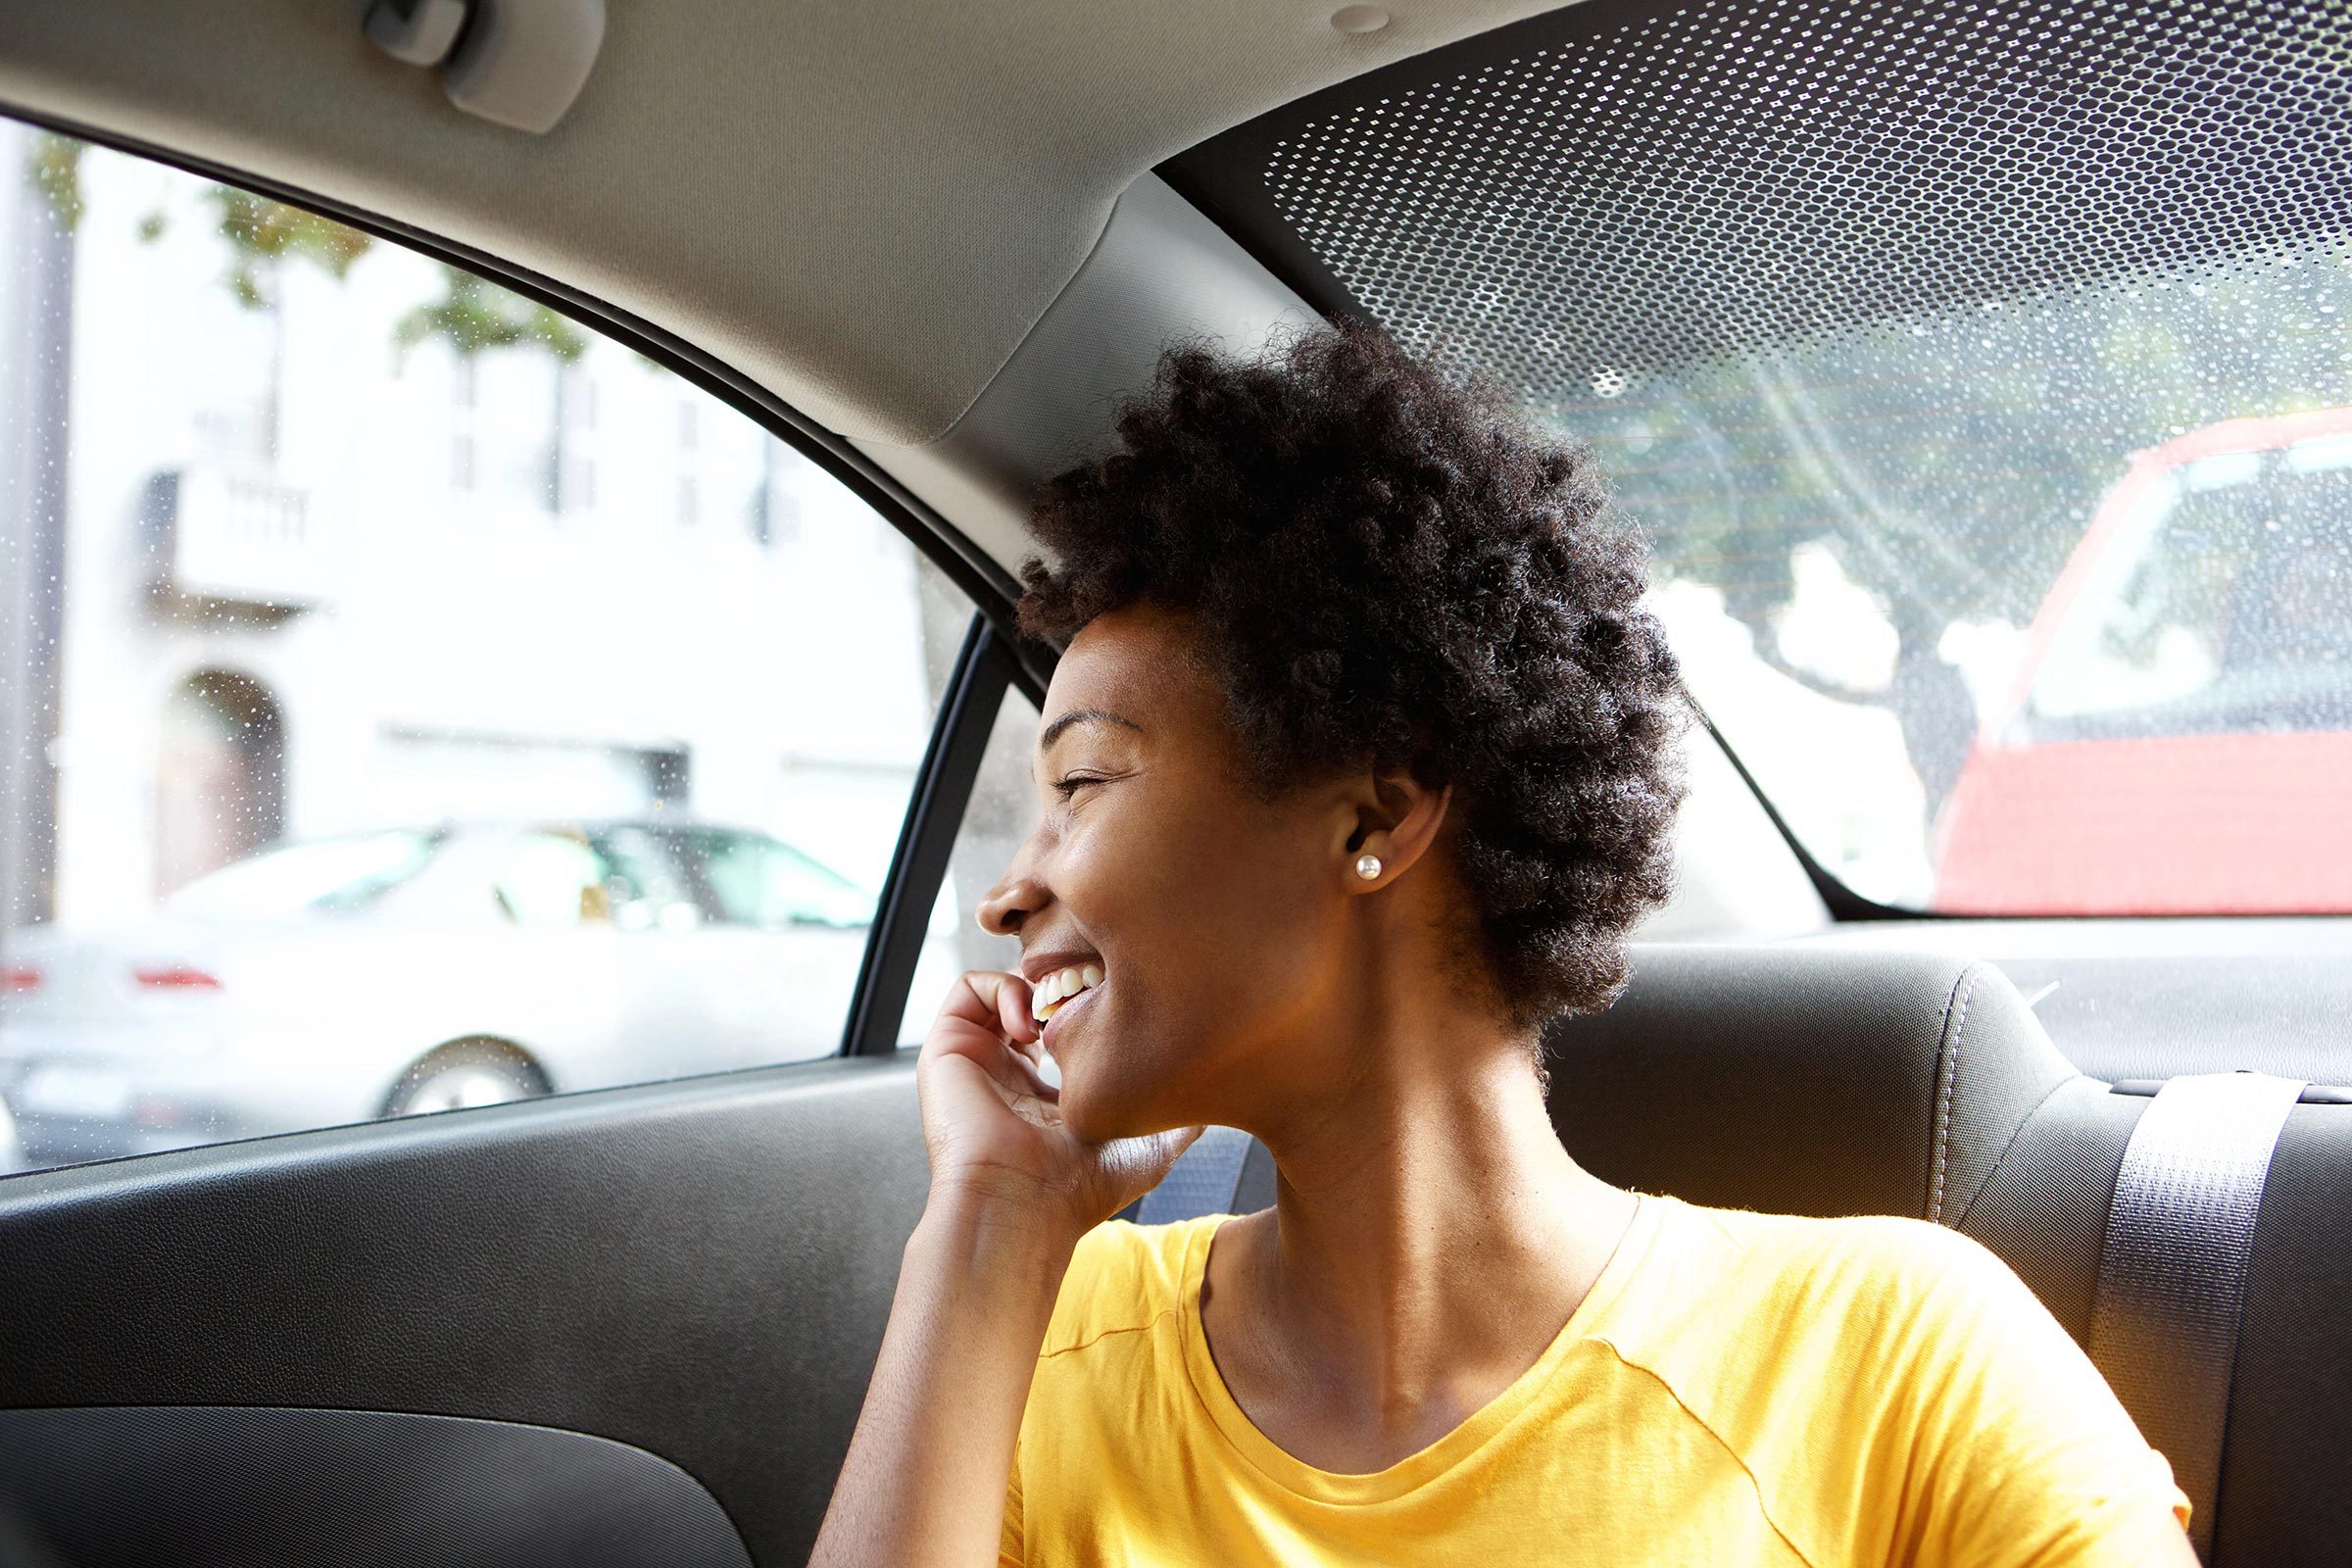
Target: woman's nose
[1016, 896]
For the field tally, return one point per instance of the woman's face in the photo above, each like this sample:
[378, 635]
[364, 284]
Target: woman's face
[1219, 921]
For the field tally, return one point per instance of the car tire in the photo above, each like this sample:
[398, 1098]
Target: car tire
[461, 1076]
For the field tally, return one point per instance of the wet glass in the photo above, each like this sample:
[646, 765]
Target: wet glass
[1894, 325]
[2036, 604]
[405, 693]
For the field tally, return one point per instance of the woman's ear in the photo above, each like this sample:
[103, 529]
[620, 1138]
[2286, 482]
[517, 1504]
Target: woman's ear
[1390, 819]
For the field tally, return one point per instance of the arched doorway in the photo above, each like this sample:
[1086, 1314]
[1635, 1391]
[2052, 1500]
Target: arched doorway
[220, 775]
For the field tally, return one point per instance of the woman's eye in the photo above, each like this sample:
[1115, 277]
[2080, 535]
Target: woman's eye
[1071, 785]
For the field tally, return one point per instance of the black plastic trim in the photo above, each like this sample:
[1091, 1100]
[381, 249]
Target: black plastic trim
[984, 669]
[1843, 902]
[1203, 176]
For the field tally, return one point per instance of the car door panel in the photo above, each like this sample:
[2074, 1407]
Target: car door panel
[699, 1269]
[175, 1485]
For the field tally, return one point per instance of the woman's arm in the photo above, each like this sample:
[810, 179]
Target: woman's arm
[1012, 1192]
[924, 1481]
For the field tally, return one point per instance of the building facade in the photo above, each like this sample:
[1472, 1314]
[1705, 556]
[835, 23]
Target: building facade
[330, 556]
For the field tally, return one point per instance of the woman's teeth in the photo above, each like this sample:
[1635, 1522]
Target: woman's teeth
[1058, 987]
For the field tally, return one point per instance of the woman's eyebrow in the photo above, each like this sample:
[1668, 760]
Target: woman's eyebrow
[1080, 715]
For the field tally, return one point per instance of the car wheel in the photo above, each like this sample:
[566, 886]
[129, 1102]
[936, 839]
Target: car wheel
[458, 1077]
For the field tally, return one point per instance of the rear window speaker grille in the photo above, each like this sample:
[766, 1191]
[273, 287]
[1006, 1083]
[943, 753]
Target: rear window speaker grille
[1658, 186]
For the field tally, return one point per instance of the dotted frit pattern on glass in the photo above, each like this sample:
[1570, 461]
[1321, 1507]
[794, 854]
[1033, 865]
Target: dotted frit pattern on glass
[1868, 310]
[1721, 176]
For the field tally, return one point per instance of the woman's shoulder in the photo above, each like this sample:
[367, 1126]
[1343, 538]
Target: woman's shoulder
[1821, 1349]
[1910, 1288]
[1881, 1256]
[1123, 1277]
[1883, 1320]
[1886, 1323]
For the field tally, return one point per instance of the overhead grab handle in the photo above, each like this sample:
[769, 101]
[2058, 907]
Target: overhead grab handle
[520, 63]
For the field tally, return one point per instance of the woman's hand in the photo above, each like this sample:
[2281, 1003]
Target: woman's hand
[1011, 1191]
[994, 1125]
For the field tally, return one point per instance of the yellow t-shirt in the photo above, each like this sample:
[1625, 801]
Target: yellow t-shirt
[1735, 1389]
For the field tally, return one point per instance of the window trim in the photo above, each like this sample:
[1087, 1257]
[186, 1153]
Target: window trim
[1842, 901]
[983, 672]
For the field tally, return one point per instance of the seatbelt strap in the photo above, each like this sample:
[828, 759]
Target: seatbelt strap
[2172, 1270]
[1202, 1181]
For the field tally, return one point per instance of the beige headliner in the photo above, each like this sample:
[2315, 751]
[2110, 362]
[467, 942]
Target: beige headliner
[862, 206]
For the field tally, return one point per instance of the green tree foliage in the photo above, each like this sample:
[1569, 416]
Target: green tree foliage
[55, 169]
[1949, 464]
[265, 236]
[474, 315]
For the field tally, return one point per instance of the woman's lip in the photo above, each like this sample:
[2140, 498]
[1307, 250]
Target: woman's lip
[1046, 1035]
[1038, 968]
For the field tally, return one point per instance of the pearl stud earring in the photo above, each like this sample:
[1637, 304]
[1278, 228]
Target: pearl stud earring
[1367, 866]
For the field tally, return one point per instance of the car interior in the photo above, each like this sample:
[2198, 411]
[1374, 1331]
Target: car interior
[928, 249]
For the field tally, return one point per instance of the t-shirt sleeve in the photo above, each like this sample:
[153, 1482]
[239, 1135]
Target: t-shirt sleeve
[2022, 1453]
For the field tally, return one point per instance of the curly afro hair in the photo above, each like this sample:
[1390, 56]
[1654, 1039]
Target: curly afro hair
[1389, 564]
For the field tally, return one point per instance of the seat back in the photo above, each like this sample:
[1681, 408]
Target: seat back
[1820, 1081]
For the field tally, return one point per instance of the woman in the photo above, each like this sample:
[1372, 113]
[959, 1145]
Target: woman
[1356, 769]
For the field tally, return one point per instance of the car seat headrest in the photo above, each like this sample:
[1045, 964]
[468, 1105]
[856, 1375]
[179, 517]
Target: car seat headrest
[1803, 1080]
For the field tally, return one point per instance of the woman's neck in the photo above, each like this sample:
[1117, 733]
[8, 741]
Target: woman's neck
[1429, 1238]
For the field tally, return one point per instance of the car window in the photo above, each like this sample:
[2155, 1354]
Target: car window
[407, 695]
[1985, 405]
[552, 880]
[646, 881]
[339, 873]
[759, 881]
[2221, 603]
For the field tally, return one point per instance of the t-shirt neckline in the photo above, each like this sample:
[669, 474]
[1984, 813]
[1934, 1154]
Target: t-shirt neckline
[1417, 1469]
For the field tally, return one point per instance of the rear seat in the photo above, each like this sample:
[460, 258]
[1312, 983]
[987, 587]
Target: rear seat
[1826, 1082]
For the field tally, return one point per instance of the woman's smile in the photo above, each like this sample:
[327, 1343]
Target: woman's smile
[1053, 989]
[1057, 1023]
[1061, 983]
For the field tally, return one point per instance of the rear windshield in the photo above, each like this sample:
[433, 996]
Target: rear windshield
[1939, 582]
[2214, 606]
[1979, 374]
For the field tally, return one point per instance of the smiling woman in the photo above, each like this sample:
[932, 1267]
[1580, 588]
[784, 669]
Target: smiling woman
[1355, 770]
[1465, 606]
